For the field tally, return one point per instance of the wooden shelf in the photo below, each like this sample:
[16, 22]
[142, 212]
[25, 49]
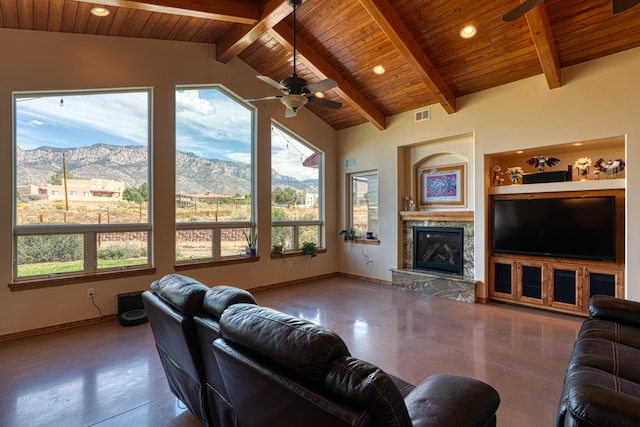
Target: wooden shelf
[553, 187]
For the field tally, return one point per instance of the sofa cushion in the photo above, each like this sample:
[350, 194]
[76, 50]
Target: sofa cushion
[608, 356]
[611, 331]
[596, 398]
[295, 344]
[184, 293]
[367, 386]
[218, 298]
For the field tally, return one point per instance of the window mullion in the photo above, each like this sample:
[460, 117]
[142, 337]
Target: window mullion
[90, 252]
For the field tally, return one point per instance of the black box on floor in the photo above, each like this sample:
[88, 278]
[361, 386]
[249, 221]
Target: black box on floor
[540, 177]
[131, 309]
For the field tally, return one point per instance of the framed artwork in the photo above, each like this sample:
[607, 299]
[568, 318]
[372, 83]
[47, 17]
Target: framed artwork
[443, 186]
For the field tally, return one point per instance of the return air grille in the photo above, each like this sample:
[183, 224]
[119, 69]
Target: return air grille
[422, 115]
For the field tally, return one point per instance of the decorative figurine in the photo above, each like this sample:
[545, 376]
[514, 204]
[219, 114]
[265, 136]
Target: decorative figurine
[582, 165]
[541, 161]
[514, 173]
[610, 168]
[496, 175]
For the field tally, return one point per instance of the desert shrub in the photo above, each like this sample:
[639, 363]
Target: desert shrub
[54, 248]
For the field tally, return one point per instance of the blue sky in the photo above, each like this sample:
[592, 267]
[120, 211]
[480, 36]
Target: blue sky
[208, 123]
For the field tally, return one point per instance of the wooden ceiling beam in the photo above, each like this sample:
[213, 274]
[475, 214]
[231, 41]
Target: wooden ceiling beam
[542, 35]
[242, 36]
[283, 33]
[236, 11]
[391, 24]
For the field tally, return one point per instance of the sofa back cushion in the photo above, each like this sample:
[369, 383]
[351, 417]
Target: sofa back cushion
[295, 344]
[220, 297]
[182, 292]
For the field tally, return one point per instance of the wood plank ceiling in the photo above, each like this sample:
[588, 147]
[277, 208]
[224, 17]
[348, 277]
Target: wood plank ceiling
[416, 41]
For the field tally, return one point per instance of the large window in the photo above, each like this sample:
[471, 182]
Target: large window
[364, 203]
[81, 182]
[214, 175]
[296, 202]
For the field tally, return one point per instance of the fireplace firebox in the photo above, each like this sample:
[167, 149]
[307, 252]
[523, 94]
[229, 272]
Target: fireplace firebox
[438, 249]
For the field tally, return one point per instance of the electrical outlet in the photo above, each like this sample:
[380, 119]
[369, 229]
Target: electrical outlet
[91, 292]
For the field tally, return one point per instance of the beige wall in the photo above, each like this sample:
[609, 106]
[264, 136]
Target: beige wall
[37, 61]
[598, 100]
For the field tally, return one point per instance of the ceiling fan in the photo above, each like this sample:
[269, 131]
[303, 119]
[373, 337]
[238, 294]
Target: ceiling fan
[617, 6]
[296, 91]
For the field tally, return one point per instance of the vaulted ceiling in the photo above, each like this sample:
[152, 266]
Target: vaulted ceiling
[417, 42]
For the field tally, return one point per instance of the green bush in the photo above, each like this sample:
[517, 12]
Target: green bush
[54, 248]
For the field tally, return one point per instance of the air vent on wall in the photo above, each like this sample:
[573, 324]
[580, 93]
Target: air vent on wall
[422, 115]
[349, 163]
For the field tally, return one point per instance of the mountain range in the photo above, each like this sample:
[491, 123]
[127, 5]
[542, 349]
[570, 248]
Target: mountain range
[194, 174]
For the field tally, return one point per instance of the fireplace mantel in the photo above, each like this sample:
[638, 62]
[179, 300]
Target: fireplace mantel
[452, 216]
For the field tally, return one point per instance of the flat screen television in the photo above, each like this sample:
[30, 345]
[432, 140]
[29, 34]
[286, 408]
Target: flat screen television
[574, 227]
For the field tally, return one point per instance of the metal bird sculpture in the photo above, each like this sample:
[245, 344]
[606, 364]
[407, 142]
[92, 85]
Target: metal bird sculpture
[541, 161]
[610, 168]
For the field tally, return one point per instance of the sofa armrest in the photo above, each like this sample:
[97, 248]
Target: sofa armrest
[450, 400]
[615, 309]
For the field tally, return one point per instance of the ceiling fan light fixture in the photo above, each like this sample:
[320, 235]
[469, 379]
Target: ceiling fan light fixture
[468, 31]
[293, 101]
[99, 11]
[379, 70]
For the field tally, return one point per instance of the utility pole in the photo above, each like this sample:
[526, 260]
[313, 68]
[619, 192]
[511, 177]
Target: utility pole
[64, 180]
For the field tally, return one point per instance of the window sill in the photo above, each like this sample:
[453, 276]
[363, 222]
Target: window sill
[47, 282]
[291, 254]
[364, 241]
[241, 259]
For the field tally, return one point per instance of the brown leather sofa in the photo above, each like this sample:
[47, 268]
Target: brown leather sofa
[171, 305]
[235, 363]
[602, 384]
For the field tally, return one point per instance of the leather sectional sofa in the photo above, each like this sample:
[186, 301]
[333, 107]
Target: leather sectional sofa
[602, 384]
[240, 364]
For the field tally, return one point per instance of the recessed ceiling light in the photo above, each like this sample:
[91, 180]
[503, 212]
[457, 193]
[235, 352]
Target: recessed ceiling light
[468, 31]
[577, 144]
[100, 11]
[319, 95]
[519, 151]
[379, 70]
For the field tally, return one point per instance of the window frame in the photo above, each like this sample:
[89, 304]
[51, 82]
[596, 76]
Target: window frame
[296, 225]
[352, 195]
[216, 227]
[90, 271]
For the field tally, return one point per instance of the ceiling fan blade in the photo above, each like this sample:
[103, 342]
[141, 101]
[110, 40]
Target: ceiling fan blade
[270, 81]
[324, 102]
[289, 113]
[622, 5]
[322, 85]
[523, 8]
[264, 98]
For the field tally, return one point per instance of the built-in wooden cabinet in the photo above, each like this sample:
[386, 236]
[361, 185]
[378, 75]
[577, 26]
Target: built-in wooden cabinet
[555, 284]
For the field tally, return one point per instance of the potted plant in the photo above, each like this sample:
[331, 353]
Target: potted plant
[309, 248]
[349, 234]
[252, 242]
[277, 249]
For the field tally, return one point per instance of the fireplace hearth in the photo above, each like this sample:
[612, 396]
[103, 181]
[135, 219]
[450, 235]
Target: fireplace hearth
[438, 249]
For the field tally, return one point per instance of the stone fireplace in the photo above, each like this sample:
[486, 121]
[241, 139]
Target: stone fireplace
[448, 246]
